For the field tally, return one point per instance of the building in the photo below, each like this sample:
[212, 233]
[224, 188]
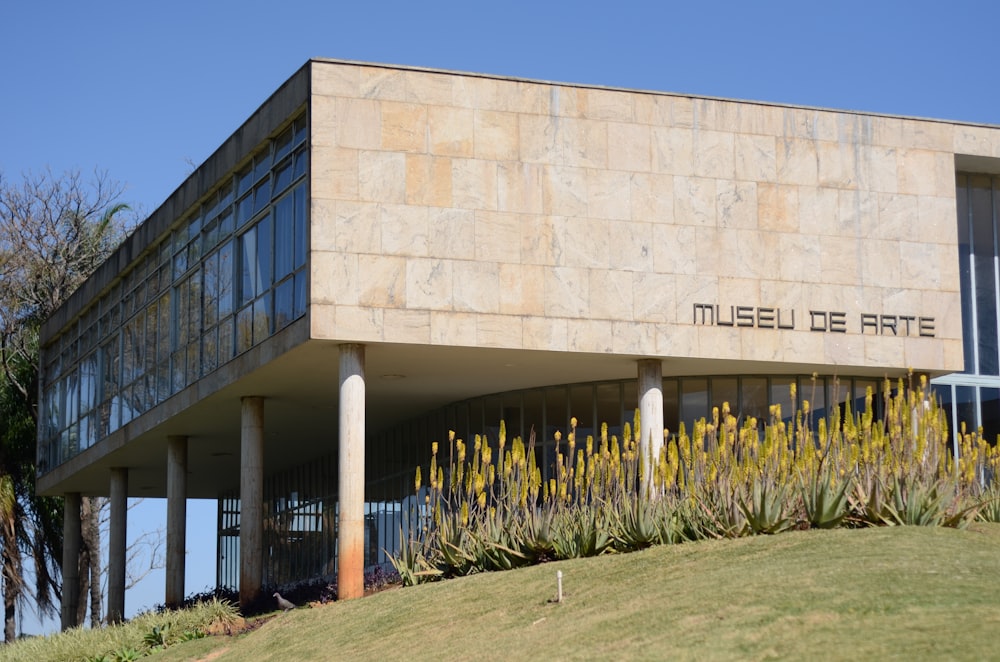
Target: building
[380, 254]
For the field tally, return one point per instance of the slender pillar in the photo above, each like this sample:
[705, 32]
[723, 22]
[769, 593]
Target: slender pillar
[177, 448]
[650, 417]
[251, 499]
[71, 559]
[351, 478]
[118, 503]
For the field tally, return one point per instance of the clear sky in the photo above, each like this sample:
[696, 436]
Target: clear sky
[147, 90]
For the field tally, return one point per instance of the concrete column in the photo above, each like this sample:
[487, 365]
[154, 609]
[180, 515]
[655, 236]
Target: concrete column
[118, 503]
[251, 499]
[177, 448]
[71, 559]
[351, 476]
[650, 417]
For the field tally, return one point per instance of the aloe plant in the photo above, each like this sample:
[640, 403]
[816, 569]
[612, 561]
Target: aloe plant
[488, 508]
[765, 508]
[824, 499]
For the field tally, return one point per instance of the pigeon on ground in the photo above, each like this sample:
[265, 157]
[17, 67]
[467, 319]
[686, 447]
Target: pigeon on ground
[283, 604]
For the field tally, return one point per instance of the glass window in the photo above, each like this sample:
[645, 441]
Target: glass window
[163, 313]
[965, 269]
[781, 394]
[262, 164]
[694, 400]
[224, 292]
[989, 404]
[301, 226]
[283, 144]
[726, 390]
[965, 400]
[194, 227]
[261, 195]
[244, 329]
[814, 390]
[244, 180]
[226, 339]
[88, 383]
[265, 259]
[753, 401]
[162, 382]
[861, 387]
[262, 314]
[225, 197]
[210, 350]
[581, 407]
[178, 363]
[300, 294]
[226, 224]
[299, 127]
[283, 177]
[193, 369]
[511, 416]
[284, 237]
[533, 415]
[211, 237]
[611, 410]
[671, 405]
[210, 289]
[284, 304]
[248, 265]
[301, 161]
[983, 250]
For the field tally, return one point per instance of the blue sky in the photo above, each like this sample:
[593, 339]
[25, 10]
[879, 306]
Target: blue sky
[145, 91]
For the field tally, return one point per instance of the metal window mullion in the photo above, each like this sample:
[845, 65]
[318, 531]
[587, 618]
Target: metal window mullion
[954, 423]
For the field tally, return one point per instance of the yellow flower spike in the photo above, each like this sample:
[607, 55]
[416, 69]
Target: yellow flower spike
[451, 435]
[416, 480]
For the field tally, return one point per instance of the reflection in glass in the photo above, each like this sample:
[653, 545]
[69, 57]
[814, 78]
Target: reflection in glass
[989, 405]
[694, 399]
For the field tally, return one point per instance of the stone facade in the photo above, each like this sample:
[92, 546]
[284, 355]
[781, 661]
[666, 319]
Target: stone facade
[452, 209]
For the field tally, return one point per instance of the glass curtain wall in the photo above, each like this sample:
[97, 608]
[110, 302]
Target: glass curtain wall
[228, 275]
[974, 395]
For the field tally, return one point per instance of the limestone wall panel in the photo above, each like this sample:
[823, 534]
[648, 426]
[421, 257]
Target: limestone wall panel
[473, 210]
[407, 326]
[499, 331]
[545, 333]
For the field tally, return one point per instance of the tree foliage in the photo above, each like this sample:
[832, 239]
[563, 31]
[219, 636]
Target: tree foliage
[54, 231]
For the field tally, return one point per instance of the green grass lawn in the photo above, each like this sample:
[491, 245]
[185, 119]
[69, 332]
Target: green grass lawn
[906, 593]
[909, 593]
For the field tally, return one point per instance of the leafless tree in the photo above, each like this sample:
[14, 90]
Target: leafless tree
[54, 231]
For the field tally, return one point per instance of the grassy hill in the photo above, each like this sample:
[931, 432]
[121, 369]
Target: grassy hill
[905, 592]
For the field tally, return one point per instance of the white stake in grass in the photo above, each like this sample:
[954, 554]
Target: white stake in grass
[558, 585]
